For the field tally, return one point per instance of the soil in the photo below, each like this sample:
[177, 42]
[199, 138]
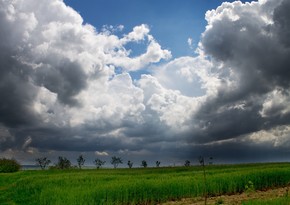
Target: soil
[233, 199]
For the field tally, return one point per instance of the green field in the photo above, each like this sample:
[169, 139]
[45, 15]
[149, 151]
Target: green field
[136, 186]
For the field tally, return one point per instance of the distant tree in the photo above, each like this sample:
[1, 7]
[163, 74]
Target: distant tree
[210, 161]
[63, 163]
[43, 162]
[158, 163]
[201, 160]
[81, 161]
[144, 163]
[115, 161]
[99, 163]
[130, 164]
[187, 163]
[9, 165]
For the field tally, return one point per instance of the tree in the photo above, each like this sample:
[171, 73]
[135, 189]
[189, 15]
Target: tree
[210, 161]
[158, 163]
[115, 161]
[130, 164]
[9, 165]
[63, 163]
[81, 161]
[99, 163]
[187, 163]
[144, 163]
[201, 160]
[43, 162]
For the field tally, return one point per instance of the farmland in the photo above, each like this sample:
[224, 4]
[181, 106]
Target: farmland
[137, 186]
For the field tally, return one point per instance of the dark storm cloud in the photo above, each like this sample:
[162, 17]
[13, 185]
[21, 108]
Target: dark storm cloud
[19, 81]
[53, 98]
[16, 91]
[66, 79]
[219, 124]
[29, 63]
[238, 151]
[256, 59]
[282, 22]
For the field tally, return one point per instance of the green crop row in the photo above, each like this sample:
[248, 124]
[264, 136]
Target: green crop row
[136, 186]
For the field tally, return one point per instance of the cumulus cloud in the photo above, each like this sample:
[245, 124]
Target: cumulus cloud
[59, 74]
[60, 90]
[246, 40]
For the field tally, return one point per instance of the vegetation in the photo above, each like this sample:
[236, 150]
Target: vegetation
[63, 163]
[144, 163]
[136, 186]
[81, 161]
[276, 201]
[130, 164]
[157, 163]
[187, 163]
[43, 162]
[9, 165]
[115, 161]
[99, 163]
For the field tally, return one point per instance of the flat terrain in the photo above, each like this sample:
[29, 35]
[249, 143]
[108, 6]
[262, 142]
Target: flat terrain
[178, 185]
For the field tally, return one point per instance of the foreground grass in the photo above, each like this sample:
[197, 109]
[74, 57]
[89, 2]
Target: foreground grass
[135, 186]
[276, 201]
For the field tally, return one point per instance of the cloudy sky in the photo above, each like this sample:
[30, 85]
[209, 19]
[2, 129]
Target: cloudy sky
[154, 80]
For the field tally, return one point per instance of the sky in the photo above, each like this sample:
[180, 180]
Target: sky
[145, 80]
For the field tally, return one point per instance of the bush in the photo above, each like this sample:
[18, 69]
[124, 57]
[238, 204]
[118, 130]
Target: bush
[9, 165]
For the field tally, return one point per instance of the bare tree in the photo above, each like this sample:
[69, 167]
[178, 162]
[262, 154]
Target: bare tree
[99, 163]
[130, 164]
[43, 162]
[158, 163]
[81, 161]
[115, 161]
[187, 163]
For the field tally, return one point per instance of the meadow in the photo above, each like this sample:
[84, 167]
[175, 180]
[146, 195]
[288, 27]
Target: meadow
[138, 185]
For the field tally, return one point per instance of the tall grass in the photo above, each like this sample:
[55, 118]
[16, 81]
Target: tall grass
[135, 186]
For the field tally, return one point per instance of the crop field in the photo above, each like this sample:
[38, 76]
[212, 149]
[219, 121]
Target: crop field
[138, 186]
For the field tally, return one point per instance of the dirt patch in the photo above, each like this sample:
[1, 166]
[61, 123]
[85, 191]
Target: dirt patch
[233, 199]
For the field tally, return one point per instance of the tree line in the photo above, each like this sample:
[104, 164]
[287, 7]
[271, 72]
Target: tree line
[64, 163]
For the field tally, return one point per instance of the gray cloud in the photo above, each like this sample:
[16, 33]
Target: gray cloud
[255, 64]
[282, 22]
[60, 93]
[66, 79]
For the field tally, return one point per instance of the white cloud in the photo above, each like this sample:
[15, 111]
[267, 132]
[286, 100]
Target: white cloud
[276, 104]
[138, 34]
[101, 153]
[66, 90]
[277, 136]
[169, 106]
[192, 76]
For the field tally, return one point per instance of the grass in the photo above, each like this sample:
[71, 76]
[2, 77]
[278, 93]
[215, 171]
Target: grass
[135, 186]
[276, 201]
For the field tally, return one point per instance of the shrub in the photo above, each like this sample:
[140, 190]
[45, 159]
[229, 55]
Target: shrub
[9, 165]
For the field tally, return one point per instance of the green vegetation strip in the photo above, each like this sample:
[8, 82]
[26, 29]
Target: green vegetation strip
[136, 186]
[278, 201]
